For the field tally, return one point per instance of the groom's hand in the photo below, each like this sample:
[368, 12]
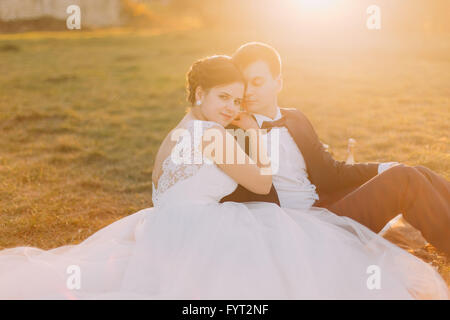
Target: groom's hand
[245, 121]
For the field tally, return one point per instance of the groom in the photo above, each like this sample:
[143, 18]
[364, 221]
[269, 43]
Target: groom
[370, 193]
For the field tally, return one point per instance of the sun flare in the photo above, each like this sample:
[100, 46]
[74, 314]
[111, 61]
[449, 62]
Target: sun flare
[314, 4]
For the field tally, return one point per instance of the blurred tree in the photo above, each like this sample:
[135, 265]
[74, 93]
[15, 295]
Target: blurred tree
[397, 15]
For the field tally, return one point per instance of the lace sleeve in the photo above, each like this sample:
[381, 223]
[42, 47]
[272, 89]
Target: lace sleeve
[185, 159]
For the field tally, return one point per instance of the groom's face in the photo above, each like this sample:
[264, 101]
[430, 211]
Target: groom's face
[262, 87]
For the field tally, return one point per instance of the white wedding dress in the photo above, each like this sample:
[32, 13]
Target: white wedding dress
[190, 246]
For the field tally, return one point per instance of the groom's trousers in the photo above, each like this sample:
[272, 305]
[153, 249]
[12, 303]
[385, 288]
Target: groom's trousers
[422, 196]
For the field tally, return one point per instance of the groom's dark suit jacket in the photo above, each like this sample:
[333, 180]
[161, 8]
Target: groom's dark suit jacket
[333, 179]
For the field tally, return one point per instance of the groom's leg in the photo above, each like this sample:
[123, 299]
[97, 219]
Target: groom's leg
[422, 196]
[441, 185]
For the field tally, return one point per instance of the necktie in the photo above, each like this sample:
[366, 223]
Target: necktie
[272, 124]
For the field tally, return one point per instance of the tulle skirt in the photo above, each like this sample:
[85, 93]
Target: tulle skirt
[232, 250]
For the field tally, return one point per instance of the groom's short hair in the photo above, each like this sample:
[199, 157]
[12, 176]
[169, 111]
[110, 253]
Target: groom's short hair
[256, 51]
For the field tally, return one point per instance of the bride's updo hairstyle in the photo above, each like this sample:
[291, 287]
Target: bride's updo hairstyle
[210, 72]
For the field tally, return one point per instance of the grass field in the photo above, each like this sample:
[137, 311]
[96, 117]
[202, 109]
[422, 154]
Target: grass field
[82, 116]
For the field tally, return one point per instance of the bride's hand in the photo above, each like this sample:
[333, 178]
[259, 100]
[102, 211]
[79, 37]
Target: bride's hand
[245, 121]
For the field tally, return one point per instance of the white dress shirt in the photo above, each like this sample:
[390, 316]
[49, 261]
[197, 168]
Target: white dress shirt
[291, 177]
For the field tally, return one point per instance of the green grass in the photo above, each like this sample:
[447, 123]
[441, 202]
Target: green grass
[81, 117]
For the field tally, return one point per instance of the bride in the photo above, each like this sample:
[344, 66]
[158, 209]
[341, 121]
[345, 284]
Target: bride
[190, 246]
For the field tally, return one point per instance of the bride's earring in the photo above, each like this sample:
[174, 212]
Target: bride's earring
[198, 103]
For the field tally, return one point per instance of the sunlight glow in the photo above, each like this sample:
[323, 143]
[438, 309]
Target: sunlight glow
[314, 4]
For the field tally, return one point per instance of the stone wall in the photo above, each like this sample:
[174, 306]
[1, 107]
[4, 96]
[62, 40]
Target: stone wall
[94, 13]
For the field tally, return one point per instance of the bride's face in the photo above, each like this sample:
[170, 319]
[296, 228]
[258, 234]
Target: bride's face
[222, 103]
